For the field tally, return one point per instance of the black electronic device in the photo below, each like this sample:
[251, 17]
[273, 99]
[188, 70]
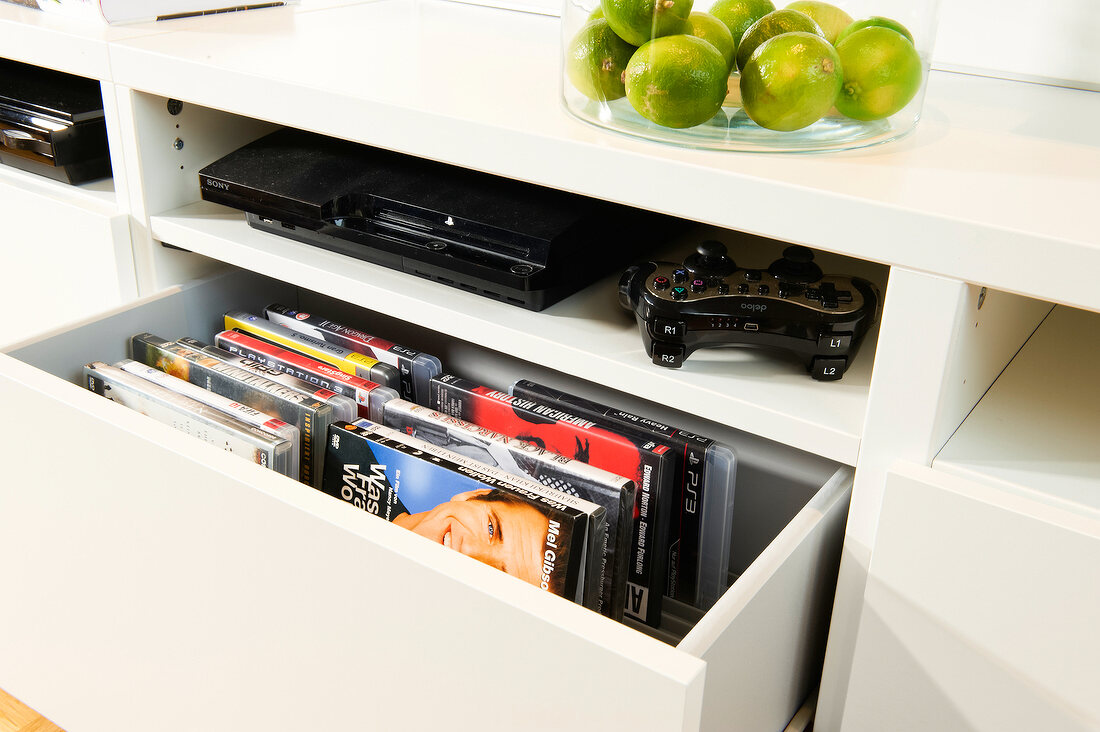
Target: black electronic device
[506, 239]
[707, 300]
[52, 123]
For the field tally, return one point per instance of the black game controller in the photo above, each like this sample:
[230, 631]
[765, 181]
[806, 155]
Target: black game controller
[708, 301]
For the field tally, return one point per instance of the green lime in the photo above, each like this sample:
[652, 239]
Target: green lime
[738, 15]
[595, 61]
[676, 81]
[714, 32]
[638, 21]
[875, 21]
[882, 73]
[831, 18]
[773, 24]
[595, 14]
[790, 81]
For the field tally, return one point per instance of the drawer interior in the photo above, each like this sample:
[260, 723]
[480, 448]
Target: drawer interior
[788, 511]
[774, 482]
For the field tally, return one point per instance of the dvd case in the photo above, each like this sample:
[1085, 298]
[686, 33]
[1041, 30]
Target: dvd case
[615, 493]
[343, 407]
[370, 398]
[209, 424]
[700, 533]
[650, 465]
[243, 412]
[342, 358]
[312, 416]
[416, 369]
[546, 538]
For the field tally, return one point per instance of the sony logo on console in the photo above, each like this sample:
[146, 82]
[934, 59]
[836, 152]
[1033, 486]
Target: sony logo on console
[217, 184]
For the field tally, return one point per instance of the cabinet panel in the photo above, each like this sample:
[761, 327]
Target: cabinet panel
[158, 573]
[66, 252]
[979, 613]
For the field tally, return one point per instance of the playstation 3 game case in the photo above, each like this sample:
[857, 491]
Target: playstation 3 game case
[615, 493]
[549, 539]
[345, 359]
[310, 411]
[699, 539]
[650, 465]
[207, 423]
[415, 369]
[369, 396]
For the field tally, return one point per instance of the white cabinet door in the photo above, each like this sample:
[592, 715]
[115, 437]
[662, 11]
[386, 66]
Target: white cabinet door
[980, 612]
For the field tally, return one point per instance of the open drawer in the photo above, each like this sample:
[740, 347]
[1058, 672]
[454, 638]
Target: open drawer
[159, 583]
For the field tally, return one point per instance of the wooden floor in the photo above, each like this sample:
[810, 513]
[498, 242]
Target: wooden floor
[16, 716]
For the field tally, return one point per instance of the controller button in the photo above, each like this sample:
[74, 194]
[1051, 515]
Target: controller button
[664, 328]
[752, 275]
[698, 285]
[762, 290]
[829, 304]
[844, 295]
[834, 341]
[723, 288]
[679, 275]
[660, 283]
[668, 354]
[679, 293]
[824, 368]
[812, 293]
[743, 289]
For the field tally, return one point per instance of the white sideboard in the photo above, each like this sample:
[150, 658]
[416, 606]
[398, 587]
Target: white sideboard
[167, 579]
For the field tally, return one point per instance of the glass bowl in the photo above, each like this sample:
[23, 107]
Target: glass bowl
[731, 128]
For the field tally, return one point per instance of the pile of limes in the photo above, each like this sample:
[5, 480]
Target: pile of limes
[794, 65]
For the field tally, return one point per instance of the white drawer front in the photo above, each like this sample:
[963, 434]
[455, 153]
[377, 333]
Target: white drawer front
[156, 573]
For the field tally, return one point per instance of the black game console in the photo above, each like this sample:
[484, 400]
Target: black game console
[51, 123]
[512, 241]
[708, 301]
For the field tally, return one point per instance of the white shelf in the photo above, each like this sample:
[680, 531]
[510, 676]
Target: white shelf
[587, 335]
[996, 172]
[1035, 431]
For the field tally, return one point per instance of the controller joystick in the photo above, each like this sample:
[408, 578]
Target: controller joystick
[797, 265]
[710, 260]
[706, 301]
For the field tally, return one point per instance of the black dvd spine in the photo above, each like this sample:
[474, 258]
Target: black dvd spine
[682, 547]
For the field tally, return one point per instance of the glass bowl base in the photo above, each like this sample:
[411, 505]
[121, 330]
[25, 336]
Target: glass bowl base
[732, 129]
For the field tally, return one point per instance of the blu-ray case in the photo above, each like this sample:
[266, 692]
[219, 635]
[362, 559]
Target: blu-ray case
[649, 465]
[615, 493]
[416, 369]
[342, 358]
[546, 538]
[368, 396]
[700, 533]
